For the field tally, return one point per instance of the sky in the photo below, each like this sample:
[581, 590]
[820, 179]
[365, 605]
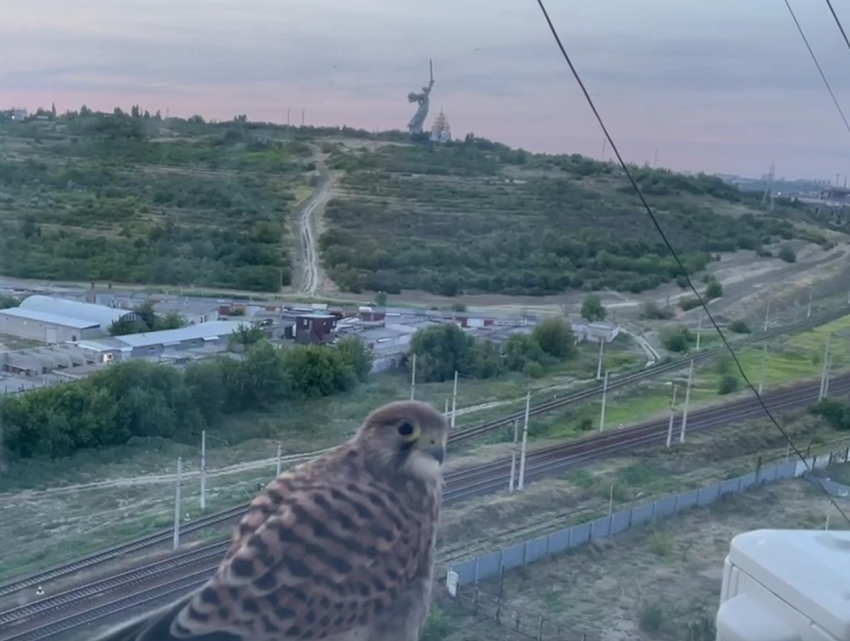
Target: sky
[720, 86]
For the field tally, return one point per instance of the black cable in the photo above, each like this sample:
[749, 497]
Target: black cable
[838, 22]
[815, 58]
[673, 253]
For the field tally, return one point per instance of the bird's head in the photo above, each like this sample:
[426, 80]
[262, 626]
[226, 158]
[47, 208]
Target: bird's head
[408, 436]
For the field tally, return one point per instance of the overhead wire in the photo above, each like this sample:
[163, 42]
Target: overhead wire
[838, 22]
[815, 58]
[675, 255]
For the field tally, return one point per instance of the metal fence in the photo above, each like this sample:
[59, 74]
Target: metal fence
[492, 564]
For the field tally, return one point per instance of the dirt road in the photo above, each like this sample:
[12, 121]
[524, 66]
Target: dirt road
[310, 279]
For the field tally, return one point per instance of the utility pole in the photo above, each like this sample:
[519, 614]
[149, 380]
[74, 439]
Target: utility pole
[809, 308]
[176, 541]
[763, 367]
[767, 315]
[687, 401]
[454, 401]
[203, 470]
[672, 415]
[513, 456]
[699, 330]
[611, 500]
[278, 465]
[302, 117]
[413, 379]
[604, 142]
[604, 395]
[524, 451]
[824, 374]
[446, 408]
[601, 352]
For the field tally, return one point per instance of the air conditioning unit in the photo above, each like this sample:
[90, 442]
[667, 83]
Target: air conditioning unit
[786, 585]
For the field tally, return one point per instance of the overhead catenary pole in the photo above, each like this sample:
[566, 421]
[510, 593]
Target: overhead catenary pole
[446, 408]
[809, 307]
[176, 541]
[601, 353]
[513, 457]
[278, 464]
[763, 366]
[699, 330]
[524, 450]
[454, 401]
[203, 470]
[413, 378]
[824, 372]
[611, 500]
[687, 401]
[767, 315]
[604, 396]
[672, 415]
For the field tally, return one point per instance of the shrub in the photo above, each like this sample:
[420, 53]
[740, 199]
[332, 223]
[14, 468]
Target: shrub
[739, 326]
[651, 618]
[787, 254]
[677, 340]
[728, 384]
[650, 311]
[714, 290]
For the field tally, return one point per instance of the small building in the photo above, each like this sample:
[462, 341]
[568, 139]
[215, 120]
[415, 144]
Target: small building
[43, 326]
[314, 328]
[595, 331]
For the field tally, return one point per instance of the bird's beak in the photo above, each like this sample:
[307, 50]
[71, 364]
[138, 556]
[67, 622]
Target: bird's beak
[438, 452]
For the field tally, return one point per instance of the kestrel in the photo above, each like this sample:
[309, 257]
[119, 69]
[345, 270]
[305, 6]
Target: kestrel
[340, 548]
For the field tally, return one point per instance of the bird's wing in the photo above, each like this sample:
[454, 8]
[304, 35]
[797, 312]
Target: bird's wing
[331, 557]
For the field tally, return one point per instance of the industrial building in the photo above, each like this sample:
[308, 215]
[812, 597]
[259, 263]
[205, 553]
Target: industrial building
[204, 338]
[58, 320]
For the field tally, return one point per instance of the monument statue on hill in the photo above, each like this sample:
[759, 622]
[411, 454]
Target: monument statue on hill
[415, 124]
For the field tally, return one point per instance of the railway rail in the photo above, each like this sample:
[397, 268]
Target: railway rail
[615, 382]
[194, 567]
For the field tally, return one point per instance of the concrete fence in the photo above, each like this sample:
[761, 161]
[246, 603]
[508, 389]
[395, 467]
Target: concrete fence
[491, 565]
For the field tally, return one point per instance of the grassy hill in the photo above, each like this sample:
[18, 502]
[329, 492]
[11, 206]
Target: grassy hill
[129, 198]
[477, 216]
[138, 198]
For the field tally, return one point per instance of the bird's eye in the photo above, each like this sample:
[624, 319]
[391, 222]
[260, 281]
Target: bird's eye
[408, 431]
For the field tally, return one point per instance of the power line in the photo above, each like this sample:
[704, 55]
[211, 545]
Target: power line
[673, 253]
[815, 58]
[838, 22]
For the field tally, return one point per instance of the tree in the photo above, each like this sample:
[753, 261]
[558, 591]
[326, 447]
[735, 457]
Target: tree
[356, 355]
[7, 302]
[677, 340]
[381, 299]
[554, 337]
[650, 311]
[246, 335]
[592, 308]
[520, 350]
[728, 384]
[440, 351]
[739, 326]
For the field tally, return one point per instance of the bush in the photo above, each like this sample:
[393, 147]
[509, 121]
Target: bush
[787, 254]
[555, 337]
[714, 290]
[651, 618]
[688, 304]
[836, 413]
[142, 399]
[650, 311]
[677, 340]
[381, 299]
[739, 326]
[728, 384]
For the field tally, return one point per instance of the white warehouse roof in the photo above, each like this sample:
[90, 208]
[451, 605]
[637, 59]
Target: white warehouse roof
[53, 319]
[210, 330]
[100, 314]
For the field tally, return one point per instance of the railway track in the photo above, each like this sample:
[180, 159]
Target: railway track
[460, 485]
[616, 382]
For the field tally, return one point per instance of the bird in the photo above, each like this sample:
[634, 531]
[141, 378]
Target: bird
[339, 548]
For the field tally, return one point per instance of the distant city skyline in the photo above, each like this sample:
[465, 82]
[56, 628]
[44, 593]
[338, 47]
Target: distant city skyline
[724, 87]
